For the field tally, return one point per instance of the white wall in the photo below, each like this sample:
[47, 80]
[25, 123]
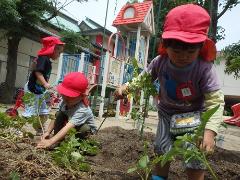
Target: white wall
[27, 48]
[229, 84]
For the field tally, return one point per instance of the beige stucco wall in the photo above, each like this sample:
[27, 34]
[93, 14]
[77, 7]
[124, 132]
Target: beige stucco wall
[27, 48]
[229, 84]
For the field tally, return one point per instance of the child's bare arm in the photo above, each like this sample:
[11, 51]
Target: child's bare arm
[62, 133]
[42, 80]
[49, 130]
[45, 143]
[208, 142]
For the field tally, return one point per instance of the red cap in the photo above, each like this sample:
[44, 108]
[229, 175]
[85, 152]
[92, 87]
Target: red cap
[74, 84]
[188, 23]
[49, 44]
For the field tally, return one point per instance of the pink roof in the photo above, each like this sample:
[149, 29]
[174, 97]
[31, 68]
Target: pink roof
[141, 10]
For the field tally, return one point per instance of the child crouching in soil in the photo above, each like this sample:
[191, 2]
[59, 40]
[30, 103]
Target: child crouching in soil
[74, 111]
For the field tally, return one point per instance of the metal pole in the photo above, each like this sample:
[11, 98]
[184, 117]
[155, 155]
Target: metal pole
[101, 56]
[104, 29]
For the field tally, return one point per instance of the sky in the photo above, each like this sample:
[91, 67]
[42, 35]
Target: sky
[96, 10]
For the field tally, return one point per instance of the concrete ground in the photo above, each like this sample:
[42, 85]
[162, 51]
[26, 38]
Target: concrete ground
[228, 138]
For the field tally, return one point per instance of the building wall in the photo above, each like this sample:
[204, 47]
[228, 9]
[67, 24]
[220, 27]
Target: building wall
[27, 50]
[229, 84]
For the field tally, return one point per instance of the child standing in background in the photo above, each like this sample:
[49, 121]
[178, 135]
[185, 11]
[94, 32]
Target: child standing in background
[39, 77]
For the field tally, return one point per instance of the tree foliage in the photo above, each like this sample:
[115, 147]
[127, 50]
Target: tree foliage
[232, 55]
[19, 18]
[75, 42]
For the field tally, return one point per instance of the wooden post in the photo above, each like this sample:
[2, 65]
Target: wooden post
[81, 63]
[59, 68]
[146, 51]
[138, 42]
[104, 84]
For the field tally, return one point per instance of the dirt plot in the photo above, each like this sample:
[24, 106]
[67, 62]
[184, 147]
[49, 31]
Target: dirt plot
[119, 151]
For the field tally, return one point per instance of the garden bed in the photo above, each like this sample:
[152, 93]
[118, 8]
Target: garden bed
[119, 151]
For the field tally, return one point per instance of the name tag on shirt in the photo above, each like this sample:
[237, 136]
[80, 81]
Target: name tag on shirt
[186, 92]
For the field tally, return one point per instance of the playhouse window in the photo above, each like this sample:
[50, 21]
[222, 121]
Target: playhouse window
[129, 13]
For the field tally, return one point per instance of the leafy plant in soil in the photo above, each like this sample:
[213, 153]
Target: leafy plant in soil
[89, 147]
[70, 153]
[29, 100]
[143, 165]
[141, 83]
[12, 128]
[186, 146]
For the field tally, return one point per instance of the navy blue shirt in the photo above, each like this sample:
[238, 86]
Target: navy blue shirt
[44, 66]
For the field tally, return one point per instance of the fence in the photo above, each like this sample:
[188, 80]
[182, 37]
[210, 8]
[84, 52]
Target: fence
[81, 63]
[70, 63]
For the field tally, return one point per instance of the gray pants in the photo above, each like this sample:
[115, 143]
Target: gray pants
[164, 140]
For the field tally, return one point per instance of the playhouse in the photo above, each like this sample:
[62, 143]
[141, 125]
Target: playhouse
[135, 25]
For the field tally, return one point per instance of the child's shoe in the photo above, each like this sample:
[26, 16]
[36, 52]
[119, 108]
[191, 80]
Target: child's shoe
[154, 177]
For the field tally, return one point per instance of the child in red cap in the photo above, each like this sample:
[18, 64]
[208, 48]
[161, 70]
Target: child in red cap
[189, 83]
[74, 111]
[39, 77]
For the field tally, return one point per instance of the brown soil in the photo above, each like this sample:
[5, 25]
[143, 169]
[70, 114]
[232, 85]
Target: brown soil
[120, 149]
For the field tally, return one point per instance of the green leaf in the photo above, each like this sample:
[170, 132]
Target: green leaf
[77, 156]
[143, 162]
[75, 41]
[28, 134]
[14, 175]
[231, 54]
[84, 167]
[205, 116]
[169, 156]
[224, 125]
[178, 142]
[132, 170]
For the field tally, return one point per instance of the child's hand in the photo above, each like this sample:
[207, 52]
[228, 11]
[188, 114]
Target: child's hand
[47, 86]
[44, 143]
[208, 142]
[120, 92]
